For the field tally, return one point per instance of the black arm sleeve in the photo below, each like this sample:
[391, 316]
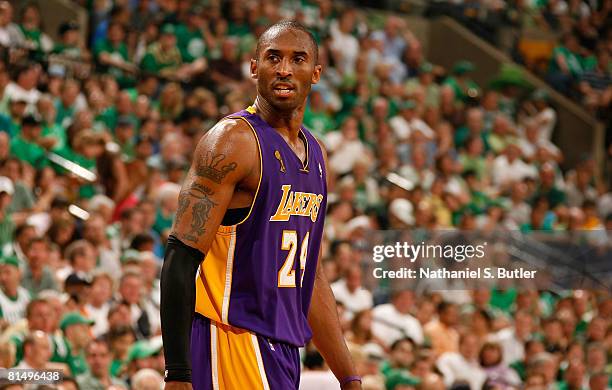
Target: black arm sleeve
[177, 307]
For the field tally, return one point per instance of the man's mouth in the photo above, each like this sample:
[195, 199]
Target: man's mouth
[283, 90]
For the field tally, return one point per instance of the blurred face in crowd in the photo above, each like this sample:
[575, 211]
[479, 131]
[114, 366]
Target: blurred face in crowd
[6, 13]
[403, 301]
[349, 129]
[474, 120]
[46, 110]
[450, 315]
[403, 355]
[38, 352]
[120, 316]
[78, 335]
[71, 37]
[491, 355]
[131, 289]
[95, 230]
[596, 357]
[9, 279]
[101, 290]
[31, 17]
[574, 375]
[85, 261]
[116, 33]
[42, 317]
[124, 103]
[31, 132]
[523, 324]
[167, 41]
[353, 278]
[70, 92]
[98, 358]
[134, 224]
[17, 108]
[28, 78]
[37, 254]
[469, 347]
[596, 330]
[285, 68]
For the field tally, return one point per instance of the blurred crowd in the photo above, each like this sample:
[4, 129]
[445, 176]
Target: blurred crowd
[97, 128]
[578, 65]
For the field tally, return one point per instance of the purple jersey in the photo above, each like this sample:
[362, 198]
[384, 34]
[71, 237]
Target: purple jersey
[259, 273]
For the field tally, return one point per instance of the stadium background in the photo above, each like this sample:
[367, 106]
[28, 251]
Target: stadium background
[479, 115]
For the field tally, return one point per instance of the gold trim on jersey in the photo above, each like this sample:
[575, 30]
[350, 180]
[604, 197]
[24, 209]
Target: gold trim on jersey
[261, 166]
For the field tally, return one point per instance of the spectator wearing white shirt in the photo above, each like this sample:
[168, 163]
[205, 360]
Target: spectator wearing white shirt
[545, 116]
[408, 121]
[25, 86]
[316, 375]
[344, 45]
[10, 36]
[36, 351]
[99, 304]
[393, 321]
[464, 365]
[519, 211]
[512, 339]
[509, 167]
[344, 147]
[349, 291]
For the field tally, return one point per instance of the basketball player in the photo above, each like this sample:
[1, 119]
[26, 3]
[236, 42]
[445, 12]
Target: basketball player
[248, 231]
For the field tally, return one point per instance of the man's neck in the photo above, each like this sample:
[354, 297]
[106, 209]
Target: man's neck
[287, 123]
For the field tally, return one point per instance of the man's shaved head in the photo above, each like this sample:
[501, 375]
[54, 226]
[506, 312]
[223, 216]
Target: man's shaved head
[277, 28]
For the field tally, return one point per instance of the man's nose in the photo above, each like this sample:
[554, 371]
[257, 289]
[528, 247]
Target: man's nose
[284, 68]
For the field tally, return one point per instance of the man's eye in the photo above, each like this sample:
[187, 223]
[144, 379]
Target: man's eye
[299, 60]
[274, 58]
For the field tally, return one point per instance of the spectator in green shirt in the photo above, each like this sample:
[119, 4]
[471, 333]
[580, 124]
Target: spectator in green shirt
[69, 45]
[98, 358]
[77, 334]
[66, 103]
[316, 117]
[164, 59]
[26, 146]
[54, 135]
[566, 64]
[193, 37]
[10, 123]
[125, 137]
[111, 55]
[35, 39]
[463, 86]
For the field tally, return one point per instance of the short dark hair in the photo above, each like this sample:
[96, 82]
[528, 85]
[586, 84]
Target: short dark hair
[397, 343]
[289, 25]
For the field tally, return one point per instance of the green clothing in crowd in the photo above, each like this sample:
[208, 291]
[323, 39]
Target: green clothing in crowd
[156, 59]
[29, 152]
[461, 88]
[191, 43]
[89, 382]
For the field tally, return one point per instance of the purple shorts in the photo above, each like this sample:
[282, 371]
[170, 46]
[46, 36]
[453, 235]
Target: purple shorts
[228, 358]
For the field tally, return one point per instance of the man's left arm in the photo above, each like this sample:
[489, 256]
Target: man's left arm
[326, 330]
[327, 333]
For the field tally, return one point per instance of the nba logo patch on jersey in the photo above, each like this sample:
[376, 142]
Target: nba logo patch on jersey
[280, 160]
[320, 171]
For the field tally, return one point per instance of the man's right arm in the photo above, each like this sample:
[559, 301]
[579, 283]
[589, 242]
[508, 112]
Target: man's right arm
[224, 158]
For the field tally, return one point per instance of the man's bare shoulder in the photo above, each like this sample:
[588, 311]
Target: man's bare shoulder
[234, 140]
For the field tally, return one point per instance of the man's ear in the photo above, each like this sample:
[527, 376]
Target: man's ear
[316, 74]
[253, 68]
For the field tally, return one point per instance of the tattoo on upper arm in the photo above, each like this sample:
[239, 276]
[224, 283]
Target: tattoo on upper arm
[198, 197]
[212, 169]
